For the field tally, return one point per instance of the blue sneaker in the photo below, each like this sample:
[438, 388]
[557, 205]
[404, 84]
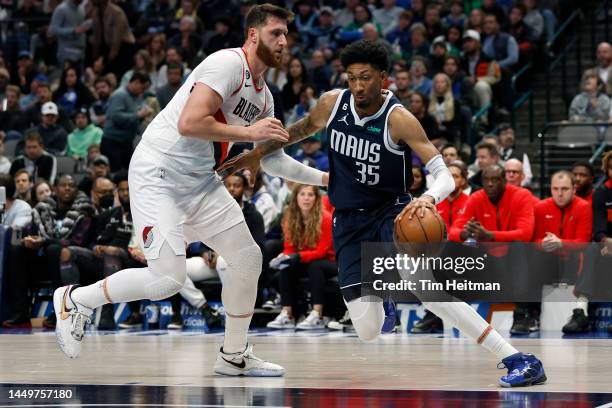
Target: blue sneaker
[391, 318]
[523, 370]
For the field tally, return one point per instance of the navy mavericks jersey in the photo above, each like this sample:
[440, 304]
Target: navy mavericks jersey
[366, 168]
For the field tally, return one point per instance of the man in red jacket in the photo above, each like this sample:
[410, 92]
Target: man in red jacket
[584, 175]
[500, 212]
[564, 221]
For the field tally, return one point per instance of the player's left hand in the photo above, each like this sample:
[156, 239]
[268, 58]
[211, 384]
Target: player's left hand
[246, 160]
[417, 206]
[551, 242]
[477, 231]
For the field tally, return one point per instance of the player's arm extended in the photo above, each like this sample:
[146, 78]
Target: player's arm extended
[197, 120]
[274, 160]
[404, 127]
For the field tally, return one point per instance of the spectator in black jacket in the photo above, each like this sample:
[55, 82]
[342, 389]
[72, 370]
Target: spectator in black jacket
[42, 253]
[54, 137]
[38, 163]
[13, 118]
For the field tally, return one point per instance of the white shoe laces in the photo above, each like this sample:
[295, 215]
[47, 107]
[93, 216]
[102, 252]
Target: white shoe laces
[79, 320]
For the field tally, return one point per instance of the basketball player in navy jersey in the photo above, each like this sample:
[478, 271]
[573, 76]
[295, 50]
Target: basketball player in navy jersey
[371, 137]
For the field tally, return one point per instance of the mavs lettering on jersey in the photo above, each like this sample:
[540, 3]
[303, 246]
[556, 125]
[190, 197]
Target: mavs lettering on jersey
[366, 168]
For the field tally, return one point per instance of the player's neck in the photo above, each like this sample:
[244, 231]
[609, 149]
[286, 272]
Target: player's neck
[257, 66]
[370, 110]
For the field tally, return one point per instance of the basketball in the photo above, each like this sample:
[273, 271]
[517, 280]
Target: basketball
[428, 229]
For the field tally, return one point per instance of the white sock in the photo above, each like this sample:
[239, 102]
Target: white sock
[466, 319]
[583, 303]
[236, 329]
[123, 286]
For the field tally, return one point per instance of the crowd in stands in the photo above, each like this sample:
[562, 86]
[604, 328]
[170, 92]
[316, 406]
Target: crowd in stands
[81, 80]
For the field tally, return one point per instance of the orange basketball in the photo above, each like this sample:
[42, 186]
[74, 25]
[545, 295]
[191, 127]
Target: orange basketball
[429, 229]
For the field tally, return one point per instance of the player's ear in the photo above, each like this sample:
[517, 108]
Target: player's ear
[253, 34]
[384, 75]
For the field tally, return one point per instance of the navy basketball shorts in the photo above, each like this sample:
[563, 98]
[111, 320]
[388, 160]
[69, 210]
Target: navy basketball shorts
[353, 227]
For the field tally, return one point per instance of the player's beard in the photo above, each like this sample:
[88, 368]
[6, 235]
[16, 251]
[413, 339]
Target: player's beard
[268, 57]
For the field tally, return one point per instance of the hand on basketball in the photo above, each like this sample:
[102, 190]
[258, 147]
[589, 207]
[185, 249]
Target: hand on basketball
[267, 129]
[246, 160]
[417, 206]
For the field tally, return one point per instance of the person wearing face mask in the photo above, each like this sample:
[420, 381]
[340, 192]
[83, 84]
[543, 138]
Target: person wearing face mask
[102, 194]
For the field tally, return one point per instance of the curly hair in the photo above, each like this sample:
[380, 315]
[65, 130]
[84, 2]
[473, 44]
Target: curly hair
[366, 52]
[606, 163]
[303, 233]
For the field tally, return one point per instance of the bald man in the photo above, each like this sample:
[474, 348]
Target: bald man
[515, 175]
[604, 65]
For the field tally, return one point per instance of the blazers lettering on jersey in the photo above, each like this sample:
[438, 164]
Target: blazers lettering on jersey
[246, 110]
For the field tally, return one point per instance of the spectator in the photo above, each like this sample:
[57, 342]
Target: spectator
[327, 32]
[25, 73]
[23, 185]
[450, 153]
[97, 112]
[523, 34]
[99, 167]
[463, 88]
[454, 204]
[490, 7]
[223, 38]
[339, 78]
[187, 39]
[418, 107]
[514, 172]
[40, 192]
[602, 215]
[444, 108]
[296, 78]
[38, 163]
[84, 135]
[54, 136]
[584, 176]
[158, 15]
[307, 101]
[533, 18]
[102, 194]
[16, 213]
[40, 253]
[475, 20]
[361, 16]
[433, 22]
[72, 94]
[592, 104]
[508, 150]
[33, 115]
[13, 118]
[321, 72]
[142, 63]
[122, 121]
[486, 155]
[5, 163]
[497, 213]
[387, 16]
[306, 22]
[499, 46]
[418, 10]
[175, 80]
[400, 36]
[308, 250]
[418, 181]
[604, 65]
[439, 51]
[402, 87]
[112, 36]
[345, 15]
[311, 149]
[454, 38]
[263, 201]
[69, 26]
[418, 43]
[482, 71]
[418, 79]
[564, 220]
[456, 17]
[371, 34]
[157, 49]
[5, 79]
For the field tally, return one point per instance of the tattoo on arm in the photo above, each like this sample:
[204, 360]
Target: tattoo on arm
[298, 131]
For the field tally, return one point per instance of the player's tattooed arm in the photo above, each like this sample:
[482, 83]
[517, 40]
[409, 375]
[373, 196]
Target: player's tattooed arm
[310, 124]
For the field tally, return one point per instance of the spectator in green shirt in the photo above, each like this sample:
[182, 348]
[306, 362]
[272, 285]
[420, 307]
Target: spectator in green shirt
[84, 135]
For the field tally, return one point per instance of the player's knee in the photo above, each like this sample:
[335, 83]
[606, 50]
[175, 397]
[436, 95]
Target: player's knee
[163, 288]
[246, 262]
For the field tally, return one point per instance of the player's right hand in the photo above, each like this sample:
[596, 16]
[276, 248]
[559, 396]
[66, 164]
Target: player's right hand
[246, 160]
[267, 129]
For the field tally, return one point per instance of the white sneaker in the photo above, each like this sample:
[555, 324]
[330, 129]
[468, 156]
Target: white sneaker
[313, 322]
[71, 322]
[246, 364]
[282, 321]
[343, 324]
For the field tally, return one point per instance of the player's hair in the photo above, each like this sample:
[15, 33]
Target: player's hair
[303, 233]
[564, 173]
[488, 146]
[366, 52]
[586, 165]
[258, 15]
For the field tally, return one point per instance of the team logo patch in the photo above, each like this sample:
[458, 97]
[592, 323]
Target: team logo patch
[147, 236]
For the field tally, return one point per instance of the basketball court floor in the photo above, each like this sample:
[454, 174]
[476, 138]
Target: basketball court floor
[162, 369]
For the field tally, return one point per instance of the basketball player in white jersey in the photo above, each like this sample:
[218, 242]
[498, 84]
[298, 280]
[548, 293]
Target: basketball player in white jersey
[177, 196]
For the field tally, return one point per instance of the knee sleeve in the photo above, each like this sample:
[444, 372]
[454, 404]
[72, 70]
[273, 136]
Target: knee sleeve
[170, 273]
[240, 279]
[367, 315]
